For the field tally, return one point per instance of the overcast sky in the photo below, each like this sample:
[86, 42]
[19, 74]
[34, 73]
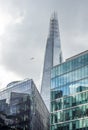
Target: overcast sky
[24, 27]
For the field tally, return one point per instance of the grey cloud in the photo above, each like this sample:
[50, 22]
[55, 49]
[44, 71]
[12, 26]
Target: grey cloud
[27, 39]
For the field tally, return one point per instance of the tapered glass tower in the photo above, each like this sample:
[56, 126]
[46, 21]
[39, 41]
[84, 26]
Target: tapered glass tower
[53, 56]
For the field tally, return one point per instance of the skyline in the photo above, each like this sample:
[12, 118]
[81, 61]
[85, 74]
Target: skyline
[24, 26]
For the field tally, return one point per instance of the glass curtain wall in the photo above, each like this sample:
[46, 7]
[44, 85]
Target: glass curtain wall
[69, 94]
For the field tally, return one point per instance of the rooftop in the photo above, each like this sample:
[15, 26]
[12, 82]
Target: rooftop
[75, 56]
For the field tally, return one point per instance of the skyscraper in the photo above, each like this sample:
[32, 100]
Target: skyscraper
[53, 56]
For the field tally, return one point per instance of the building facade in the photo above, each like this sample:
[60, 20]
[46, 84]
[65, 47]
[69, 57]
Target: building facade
[53, 56]
[22, 106]
[69, 94]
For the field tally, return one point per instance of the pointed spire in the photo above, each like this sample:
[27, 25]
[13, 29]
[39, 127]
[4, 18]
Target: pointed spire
[53, 26]
[53, 56]
[54, 15]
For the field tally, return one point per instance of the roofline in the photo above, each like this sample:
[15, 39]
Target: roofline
[75, 56]
[71, 58]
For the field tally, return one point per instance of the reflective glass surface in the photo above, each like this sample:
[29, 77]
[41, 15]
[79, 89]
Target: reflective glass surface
[70, 65]
[22, 108]
[69, 94]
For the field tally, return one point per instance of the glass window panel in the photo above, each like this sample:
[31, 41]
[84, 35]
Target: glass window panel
[53, 83]
[53, 73]
[80, 124]
[87, 110]
[53, 106]
[74, 125]
[77, 124]
[87, 122]
[77, 99]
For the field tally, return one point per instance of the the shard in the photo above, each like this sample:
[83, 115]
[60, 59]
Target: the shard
[53, 56]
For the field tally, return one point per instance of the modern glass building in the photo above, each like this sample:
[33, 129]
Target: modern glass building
[69, 94]
[22, 107]
[53, 56]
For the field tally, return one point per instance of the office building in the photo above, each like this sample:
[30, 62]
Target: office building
[69, 94]
[53, 56]
[22, 107]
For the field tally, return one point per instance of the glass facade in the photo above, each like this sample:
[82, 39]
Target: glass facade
[53, 56]
[22, 106]
[69, 94]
